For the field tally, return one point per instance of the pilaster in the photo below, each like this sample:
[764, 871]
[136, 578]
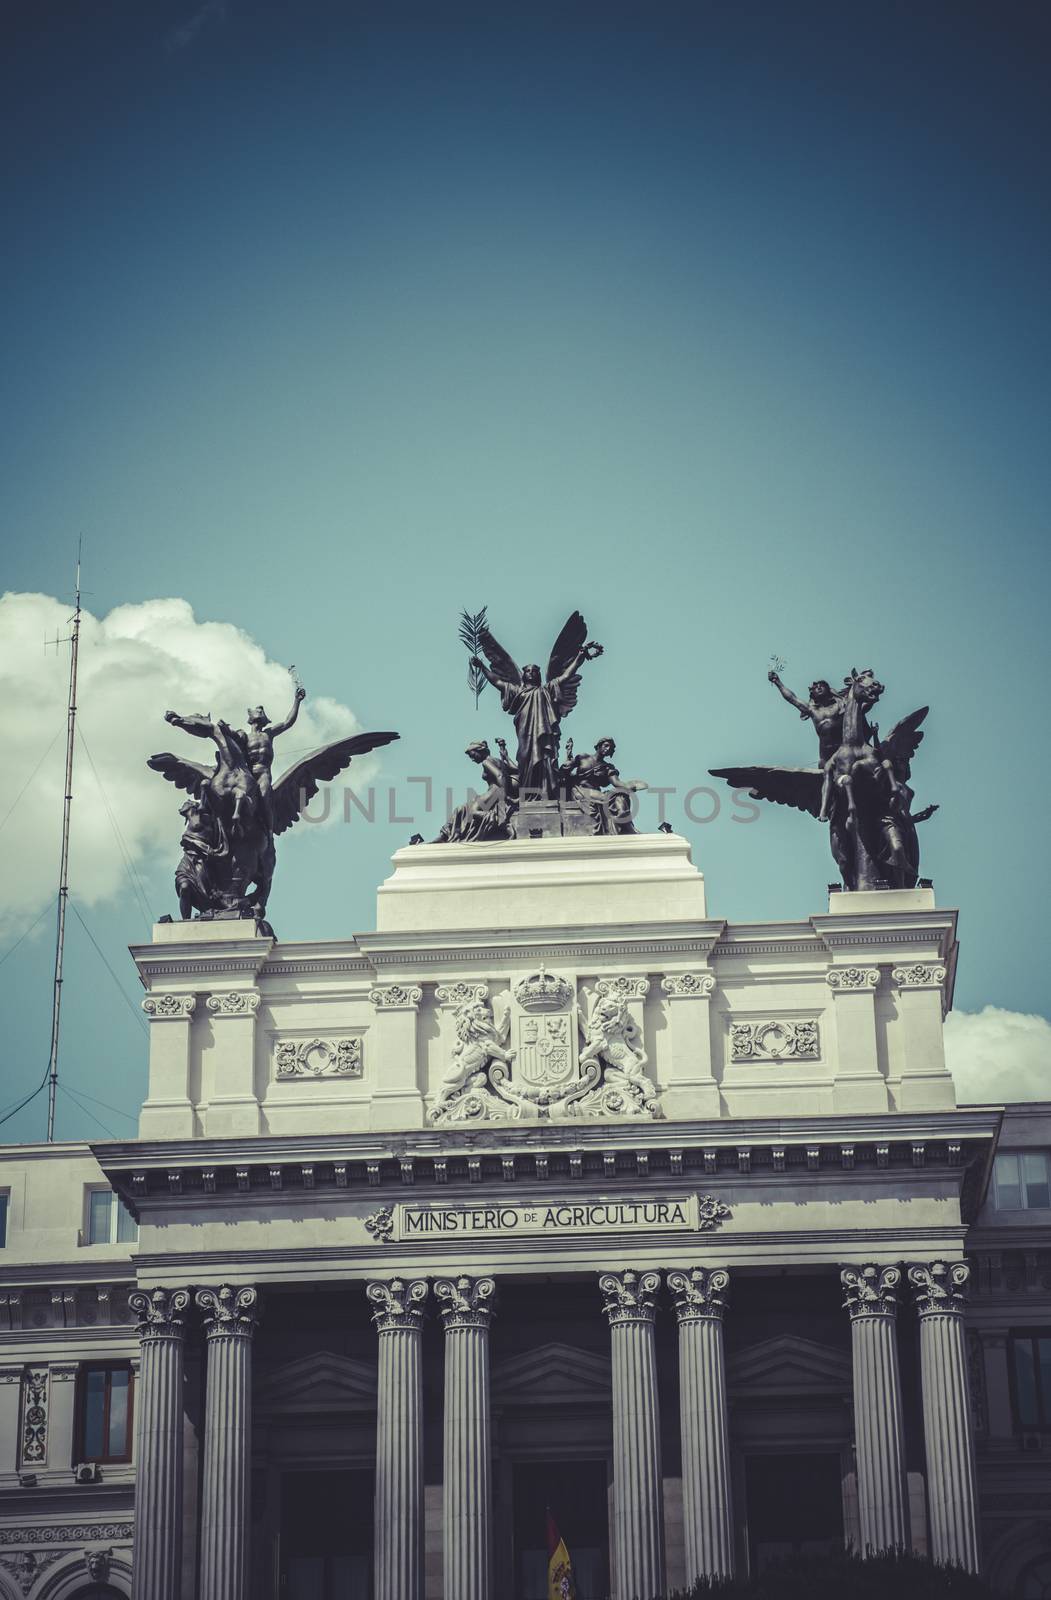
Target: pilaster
[638, 1510]
[859, 1084]
[871, 1302]
[938, 1289]
[692, 1090]
[396, 1101]
[919, 991]
[700, 1295]
[167, 1112]
[233, 1103]
[10, 1401]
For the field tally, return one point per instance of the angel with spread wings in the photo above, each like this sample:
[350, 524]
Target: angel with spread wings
[239, 810]
[539, 704]
[861, 789]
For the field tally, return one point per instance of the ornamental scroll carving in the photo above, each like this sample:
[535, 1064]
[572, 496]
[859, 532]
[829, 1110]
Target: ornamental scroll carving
[35, 1402]
[688, 985]
[774, 1040]
[852, 979]
[939, 1286]
[229, 1311]
[459, 994]
[398, 1303]
[319, 1058]
[920, 975]
[169, 1007]
[701, 1292]
[629, 1296]
[238, 1003]
[159, 1313]
[465, 1302]
[871, 1291]
[396, 997]
[636, 988]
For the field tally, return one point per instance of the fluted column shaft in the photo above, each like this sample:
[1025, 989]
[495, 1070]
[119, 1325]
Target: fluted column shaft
[938, 1287]
[467, 1499]
[638, 1519]
[156, 1557]
[707, 1501]
[871, 1300]
[398, 1315]
[230, 1322]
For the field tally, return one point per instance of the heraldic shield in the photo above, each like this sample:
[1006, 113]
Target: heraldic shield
[545, 1032]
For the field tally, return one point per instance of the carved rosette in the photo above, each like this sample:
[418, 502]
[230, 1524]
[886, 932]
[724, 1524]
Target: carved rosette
[159, 1313]
[451, 995]
[919, 975]
[381, 1224]
[397, 1303]
[238, 1003]
[700, 1293]
[871, 1291]
[711, 1212]
[625, 988]
[169, 1007]
[465, 1302]
[848, 980]
[688, 985]
[319, 1058]
[938, 1287]
[629, 1296]
[774, 1041]
[396, 997]
[229, 1312]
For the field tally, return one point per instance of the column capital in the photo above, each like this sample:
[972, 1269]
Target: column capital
[397, 1303]
[629, 1296]
[852, 980]
[939, 1286]
[699, 1292]
[688, 985]
[919, 975]
[169, 1007]
[234, 1003]
[396, 996]
[870, 1290]
[159, 1313]
[229, 1311]
[465, 1302]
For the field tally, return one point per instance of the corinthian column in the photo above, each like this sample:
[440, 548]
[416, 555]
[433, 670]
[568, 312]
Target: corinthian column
[871, 1302]
[700, 1300]
[156, 1558]
[938, 1287]
[230, 1319]
[638, 1523]
[466, 1307]
[398, 1315]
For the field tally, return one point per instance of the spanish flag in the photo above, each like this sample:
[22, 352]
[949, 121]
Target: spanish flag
[560, 1585]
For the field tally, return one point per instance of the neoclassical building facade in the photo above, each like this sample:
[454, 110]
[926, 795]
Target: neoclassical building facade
[553, 1192]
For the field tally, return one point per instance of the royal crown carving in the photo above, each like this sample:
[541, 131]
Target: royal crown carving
[543, 991]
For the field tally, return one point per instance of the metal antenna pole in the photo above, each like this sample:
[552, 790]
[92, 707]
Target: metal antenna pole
[63, 875]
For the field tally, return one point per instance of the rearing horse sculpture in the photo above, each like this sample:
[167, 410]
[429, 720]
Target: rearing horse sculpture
[858, 750]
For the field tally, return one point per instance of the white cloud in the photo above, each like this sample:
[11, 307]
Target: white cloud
[999, 1055]
[135, 664]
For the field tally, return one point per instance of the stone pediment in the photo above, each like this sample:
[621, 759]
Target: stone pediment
[317, 1383]
[553, 1374]
[789, 1365]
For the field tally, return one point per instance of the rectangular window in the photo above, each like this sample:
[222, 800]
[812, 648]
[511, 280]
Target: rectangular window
[104, 1413]
[3, 1220]
[1031, 1371]
[109, 1220]
[1022, 1180]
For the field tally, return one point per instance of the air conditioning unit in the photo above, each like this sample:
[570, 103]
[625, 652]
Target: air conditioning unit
[1032, 1442]
[87, 1472]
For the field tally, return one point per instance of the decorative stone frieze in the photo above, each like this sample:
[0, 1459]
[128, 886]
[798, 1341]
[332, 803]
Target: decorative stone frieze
[624, 987]
[920, 975]
[397, 1302]
[319, 1058]
[169, 1007]
[396, 997]
[700, 1292]
[847, 979]
[774, 1040]
[35, 1404]
[465, 1302]
[237, 1003]
[870, 1290]
[65, 1532]
[688, 985]
[450, 995]
[629, 1296]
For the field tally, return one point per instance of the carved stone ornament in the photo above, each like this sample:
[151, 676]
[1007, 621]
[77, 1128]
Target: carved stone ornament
[465, 1302]
[229, 1311]
[711, 1212]
[97, 1563]
[871, 1291]
[699, 1293]
[159, 1313]
[319, 1058]
[543, 991]
[381, 1224]
[920, 975]
[35, 1396]
[26, 1567]
[459, 994]
[169, 1007]
[629, 1296]
[688, 985]
[774, 1041]
[397, 1303]
[635, 988]
[939, 1286]
[396, 997]
[846, 979]
[238, 1003]
[64, 1533]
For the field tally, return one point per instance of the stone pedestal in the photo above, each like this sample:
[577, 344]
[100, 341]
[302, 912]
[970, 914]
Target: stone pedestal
[156, 1558]
[398, 1315]
[707, 1505]
[229, 1324]
[638, 1522]
[938, 1288]
[467, 1499]
[871, 1301]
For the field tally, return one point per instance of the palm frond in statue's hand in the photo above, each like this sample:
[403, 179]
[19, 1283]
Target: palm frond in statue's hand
[471, 630]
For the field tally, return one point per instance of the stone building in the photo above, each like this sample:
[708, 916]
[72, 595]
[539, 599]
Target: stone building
[553, 1191]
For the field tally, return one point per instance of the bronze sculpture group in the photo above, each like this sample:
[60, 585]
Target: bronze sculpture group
[859, 785]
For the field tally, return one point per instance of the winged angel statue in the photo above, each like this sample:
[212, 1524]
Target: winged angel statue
[236, 810]
[860, 785]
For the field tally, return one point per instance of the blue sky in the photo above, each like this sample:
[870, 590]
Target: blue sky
[726, 323]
